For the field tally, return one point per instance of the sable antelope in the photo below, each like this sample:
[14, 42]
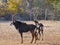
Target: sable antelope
[23, 27]
[39, 28]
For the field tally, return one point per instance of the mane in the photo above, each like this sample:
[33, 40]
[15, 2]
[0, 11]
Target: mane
[19, 22]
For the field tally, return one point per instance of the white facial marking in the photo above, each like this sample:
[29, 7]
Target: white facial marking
[37, 25]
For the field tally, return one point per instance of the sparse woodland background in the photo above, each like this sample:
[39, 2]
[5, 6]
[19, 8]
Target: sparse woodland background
[30, 9]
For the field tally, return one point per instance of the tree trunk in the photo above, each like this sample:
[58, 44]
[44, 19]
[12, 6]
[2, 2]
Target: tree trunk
[45, 13]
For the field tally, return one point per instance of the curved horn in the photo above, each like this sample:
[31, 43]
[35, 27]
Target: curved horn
[13, 18]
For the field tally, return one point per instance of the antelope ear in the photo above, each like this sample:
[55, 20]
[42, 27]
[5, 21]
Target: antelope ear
[35, 21]
[11, 23]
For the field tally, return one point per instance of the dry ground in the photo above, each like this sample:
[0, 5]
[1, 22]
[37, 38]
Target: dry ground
[10, 36]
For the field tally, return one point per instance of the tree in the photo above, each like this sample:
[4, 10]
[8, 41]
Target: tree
[56, 6]
[55, 3]
[14, 5]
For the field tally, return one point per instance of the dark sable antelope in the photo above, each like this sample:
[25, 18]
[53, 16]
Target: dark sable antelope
[23, 27]
[39, 28]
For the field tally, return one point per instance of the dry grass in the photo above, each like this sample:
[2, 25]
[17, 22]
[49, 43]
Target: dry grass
[10, 36]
